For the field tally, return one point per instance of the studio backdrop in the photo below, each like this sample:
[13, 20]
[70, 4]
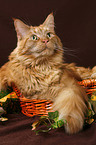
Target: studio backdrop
[75, 24]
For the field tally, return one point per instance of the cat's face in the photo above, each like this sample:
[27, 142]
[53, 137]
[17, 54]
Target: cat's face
[38, 40]
[41, 41]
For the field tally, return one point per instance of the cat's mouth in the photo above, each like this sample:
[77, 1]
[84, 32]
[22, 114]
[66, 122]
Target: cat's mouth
[43, 49]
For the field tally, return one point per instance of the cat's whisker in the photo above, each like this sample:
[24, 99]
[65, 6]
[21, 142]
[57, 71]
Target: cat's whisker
[69, 49]
[71, 52]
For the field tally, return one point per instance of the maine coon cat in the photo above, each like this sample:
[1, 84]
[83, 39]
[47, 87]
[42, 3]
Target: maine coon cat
[36, 67]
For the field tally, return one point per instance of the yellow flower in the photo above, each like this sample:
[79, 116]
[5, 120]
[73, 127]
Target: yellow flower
[90, 121]
[11, 95]
[93, 97]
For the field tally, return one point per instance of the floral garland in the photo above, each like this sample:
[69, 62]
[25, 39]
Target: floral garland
[52, 120]
[9, 103]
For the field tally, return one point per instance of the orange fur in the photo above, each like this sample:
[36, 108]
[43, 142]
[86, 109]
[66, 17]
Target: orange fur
[85, 73]
[36, 67]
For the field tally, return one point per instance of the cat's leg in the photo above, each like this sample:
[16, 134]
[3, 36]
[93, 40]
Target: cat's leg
[4, 77]
[86, 73]
[3, 82]
[72, 108]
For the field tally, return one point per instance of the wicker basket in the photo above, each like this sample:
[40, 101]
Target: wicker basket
[33, 107]
[89, 85]
[42, 107]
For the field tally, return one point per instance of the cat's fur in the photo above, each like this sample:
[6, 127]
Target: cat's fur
[84, 73]
[36, 67]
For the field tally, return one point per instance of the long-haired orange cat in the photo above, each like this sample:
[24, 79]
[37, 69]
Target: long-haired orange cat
[36, 67]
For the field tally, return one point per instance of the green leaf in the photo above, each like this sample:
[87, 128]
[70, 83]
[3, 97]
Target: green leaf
[57, 124]
[37, 131]
[53, 115]
[43, 117]
[54, 125]
[60, 123]
[51, 122]
[3, 93]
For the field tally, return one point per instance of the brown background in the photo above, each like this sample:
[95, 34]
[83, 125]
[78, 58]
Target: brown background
[75, 24]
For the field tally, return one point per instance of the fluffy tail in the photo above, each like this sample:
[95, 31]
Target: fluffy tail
[71, 104]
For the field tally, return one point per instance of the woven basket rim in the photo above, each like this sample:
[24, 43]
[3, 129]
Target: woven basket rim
[85, 83]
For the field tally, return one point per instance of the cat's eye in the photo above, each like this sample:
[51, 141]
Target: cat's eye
[34, 37]
[49, 34]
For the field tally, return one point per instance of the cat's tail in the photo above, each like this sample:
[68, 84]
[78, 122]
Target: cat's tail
[72, 107]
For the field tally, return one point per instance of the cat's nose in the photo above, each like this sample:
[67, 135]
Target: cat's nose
[45, 41]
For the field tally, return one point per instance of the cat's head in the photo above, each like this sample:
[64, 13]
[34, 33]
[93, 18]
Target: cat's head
[37, 41]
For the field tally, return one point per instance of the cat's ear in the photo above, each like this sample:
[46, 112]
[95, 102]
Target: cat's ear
[21, 28]
[49, 22]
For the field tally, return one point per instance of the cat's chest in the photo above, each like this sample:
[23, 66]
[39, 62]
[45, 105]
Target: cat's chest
[41, 79]
[36, 80]
[49, 75]
[46, 76]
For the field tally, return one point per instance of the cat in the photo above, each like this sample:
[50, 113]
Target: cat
[36, 67]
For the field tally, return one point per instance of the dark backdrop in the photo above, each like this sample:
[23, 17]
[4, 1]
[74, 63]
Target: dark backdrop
[75, 24]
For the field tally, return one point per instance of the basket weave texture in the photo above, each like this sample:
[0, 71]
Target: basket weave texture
[42, 107]
[33, 107]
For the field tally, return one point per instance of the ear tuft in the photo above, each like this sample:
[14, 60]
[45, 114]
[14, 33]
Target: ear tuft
[21, 28]
[49, 22]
